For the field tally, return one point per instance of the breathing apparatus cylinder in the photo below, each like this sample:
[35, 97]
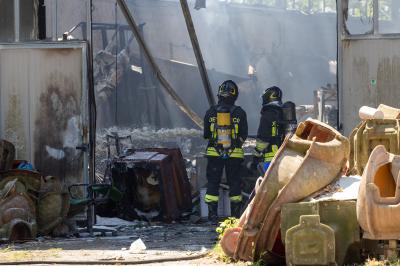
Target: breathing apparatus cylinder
[224, 129]
[289, 117]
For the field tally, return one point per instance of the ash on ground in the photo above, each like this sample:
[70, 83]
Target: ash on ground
[157, 241]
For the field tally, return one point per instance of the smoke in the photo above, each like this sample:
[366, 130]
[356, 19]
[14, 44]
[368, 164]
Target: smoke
[292, 49]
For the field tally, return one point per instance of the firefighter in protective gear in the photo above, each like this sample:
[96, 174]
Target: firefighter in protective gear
[225, 128]
[271, 130]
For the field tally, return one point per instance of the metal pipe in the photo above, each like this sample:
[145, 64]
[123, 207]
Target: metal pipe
[89, 155]
[197, 52]
[375, 13]
[16, 20]
[341, 7]
[54, 19]
[135, 30]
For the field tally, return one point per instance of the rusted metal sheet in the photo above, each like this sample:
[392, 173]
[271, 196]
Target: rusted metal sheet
[178, 178]
[43, 106]
[152, 180]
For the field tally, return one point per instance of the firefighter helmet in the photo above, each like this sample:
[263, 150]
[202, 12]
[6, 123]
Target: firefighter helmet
[271, 94]
[228, 90]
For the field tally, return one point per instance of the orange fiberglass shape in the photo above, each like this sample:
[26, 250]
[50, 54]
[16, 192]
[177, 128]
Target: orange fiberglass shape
[306, 162]
[372, 132]
[378, 203]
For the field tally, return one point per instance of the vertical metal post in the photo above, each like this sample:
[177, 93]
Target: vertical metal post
[54, 19]
[375, 12]
[321, 105]
[89, 157]
[339, 66]
[16, 20]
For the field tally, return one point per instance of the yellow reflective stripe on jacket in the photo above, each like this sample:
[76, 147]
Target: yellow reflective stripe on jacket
[211, 151]
[268, 156]
[213, 131]
[237, 153]
[235, 131]
[210, 198]
[274, 131]
[261, 145]
[236, 198]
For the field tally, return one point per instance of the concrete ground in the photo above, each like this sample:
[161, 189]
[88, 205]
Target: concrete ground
[159, 244]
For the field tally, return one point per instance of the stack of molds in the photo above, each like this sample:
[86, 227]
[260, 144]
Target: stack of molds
[17, 213]
[306, 162]
[371, 133]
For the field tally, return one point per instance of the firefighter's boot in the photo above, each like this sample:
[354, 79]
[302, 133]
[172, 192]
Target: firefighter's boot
[236, 209]
[213, 211]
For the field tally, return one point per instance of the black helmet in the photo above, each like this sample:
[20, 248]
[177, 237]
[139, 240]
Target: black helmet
[271, 94]
[228, 90]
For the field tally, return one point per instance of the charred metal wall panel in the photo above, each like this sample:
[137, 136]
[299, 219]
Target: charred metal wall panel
[371, 76]
[43, 106]
[28, 20]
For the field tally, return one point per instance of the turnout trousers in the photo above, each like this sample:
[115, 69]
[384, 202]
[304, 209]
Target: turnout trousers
[215, 166]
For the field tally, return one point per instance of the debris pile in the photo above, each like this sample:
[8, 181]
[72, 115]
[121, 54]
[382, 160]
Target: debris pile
[153, 181]
[302, 203]
[30, 203]
[306, 162]
[371, 132]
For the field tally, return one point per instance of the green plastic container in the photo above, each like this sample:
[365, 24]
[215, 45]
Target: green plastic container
[340, 216]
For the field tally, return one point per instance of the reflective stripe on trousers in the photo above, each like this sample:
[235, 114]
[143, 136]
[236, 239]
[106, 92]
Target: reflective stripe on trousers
[210, 198]
[236, 198]
[268, 156]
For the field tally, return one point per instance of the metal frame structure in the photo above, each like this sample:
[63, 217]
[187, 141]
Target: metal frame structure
[16, 20]
[346, 41]
[343, 35]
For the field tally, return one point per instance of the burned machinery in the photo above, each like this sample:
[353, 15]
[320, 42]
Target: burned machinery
[153, 182]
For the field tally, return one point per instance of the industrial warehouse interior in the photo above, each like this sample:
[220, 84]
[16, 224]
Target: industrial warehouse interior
[199, 132]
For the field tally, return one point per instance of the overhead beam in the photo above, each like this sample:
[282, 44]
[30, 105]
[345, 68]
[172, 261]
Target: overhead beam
[150, 59]
[197, 52]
